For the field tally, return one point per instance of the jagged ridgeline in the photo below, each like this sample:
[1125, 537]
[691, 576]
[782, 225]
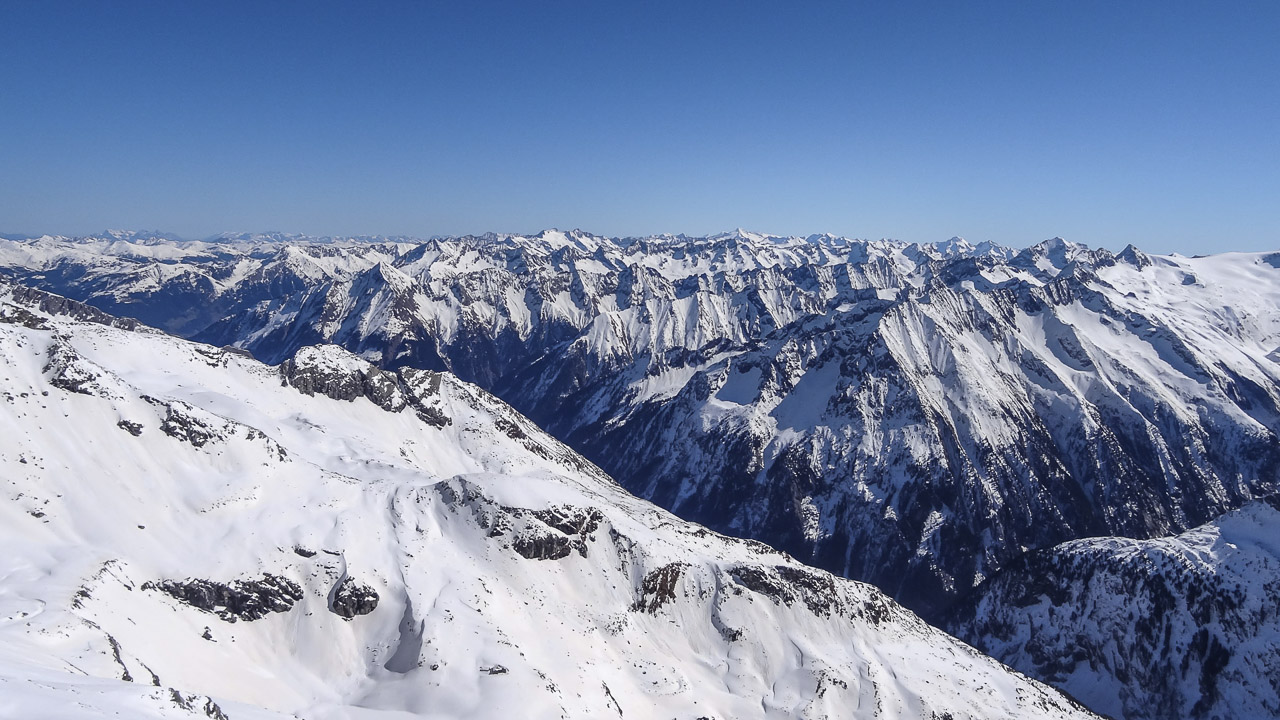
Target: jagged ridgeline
[187, 532]
[916, 416]
[1179, 627]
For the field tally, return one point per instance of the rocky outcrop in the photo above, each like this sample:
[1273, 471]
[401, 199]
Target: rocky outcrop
[333, 372]
[659, 587]
[570, 529]
[570, 520]
[536, 545]
[186, 423]
[59, 305]
[350, 598]
[197, 703]
[238, 600]
[788, 585]
[68, 371]
[133, 428]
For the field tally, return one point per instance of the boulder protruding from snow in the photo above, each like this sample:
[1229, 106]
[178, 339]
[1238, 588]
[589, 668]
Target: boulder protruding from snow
[351, 598]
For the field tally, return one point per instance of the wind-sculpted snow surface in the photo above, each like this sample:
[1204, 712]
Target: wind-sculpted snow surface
[913, 416]
[1179, 627]
[189, 533]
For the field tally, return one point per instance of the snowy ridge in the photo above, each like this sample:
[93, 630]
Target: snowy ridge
[1178, 627]
[190, 533]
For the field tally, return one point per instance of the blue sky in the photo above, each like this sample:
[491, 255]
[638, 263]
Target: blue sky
[1103, 122]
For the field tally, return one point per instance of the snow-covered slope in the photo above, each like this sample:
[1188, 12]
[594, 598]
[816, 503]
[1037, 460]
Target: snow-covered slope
[188, 532]
[1179, 627]
[912, 415]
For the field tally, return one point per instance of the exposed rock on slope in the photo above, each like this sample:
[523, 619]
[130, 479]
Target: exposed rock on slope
[238, 600]
[351, 598]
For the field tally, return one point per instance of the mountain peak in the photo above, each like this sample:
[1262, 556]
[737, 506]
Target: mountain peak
[1132, 255]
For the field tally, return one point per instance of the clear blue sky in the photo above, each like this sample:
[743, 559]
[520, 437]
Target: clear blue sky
[1103, 122]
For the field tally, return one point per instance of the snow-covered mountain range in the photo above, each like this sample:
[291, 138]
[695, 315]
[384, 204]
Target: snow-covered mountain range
[934, 419]
[190, 533]
[913, 416]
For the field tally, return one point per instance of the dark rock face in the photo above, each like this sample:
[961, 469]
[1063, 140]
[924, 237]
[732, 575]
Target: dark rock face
[659, 587]
[573, 528]
[182, 424]
[786, 585]
[344, 383]
[16, 315]
[543, 546]
[133, 428]
[420, 386]
[570, 520]
[68, 371]
[351, 598]
[332, 372]
[549, 534]
[237, 600]
[197, 703]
